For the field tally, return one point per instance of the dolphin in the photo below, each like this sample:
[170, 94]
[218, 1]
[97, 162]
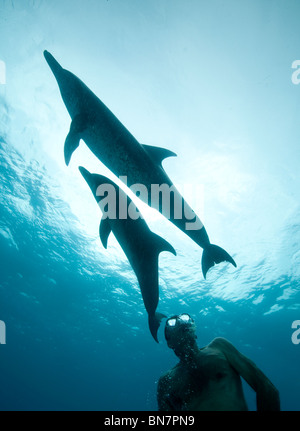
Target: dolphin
[140, 245]
[139, 164]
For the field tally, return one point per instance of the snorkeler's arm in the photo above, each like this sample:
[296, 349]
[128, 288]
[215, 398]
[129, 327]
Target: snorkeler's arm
[162, 395]
[267, 396]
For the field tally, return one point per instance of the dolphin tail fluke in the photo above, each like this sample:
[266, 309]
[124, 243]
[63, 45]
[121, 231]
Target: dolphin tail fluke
[213, 254]
[154, 323]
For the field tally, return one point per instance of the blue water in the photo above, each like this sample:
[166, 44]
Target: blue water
[211, 81]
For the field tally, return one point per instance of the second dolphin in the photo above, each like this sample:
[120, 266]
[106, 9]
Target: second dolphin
[140, 245]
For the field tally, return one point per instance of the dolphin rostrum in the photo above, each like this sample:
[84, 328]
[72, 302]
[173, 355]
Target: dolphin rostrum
[139, 164]
[140, 245]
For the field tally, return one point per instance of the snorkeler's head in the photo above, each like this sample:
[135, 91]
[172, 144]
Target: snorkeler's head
[180, 330]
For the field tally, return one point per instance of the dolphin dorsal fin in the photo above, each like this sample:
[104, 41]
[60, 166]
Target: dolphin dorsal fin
[158, 154]
[161, 244]
[104, 231]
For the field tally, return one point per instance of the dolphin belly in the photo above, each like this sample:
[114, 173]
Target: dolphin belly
[127, 159]
[127, 165]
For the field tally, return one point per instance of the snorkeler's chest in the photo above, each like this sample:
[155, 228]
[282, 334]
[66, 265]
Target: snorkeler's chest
[209, 367]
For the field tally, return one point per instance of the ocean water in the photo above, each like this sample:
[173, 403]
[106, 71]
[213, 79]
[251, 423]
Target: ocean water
[216, 82]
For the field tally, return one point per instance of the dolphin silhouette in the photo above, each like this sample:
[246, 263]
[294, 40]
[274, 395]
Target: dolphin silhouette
[140, 245]
[140, 164]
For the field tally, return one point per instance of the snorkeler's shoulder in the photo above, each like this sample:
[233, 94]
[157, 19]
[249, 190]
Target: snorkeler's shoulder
[225, 347]
[219, 343]
[168, 375]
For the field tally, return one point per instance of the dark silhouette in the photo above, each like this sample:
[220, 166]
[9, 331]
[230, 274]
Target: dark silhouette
[117, 148]
[140, 245]
[209, 378]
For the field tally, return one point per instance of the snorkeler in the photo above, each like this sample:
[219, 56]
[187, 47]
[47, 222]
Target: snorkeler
[209, 378]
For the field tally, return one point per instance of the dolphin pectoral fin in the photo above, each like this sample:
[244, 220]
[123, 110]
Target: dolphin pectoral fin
[104, 231]
[213, 254]
[162, 245]
[154, 323]
[71, 143]
[78, 125]
[158, 154]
